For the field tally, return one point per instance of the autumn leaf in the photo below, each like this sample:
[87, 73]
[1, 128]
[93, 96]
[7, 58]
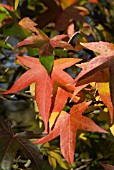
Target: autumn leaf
[59, 75]
[70, 13]
[43, 88]
[107, 166]
[104, 91]
[98, 63]
[59, 103]
[102, 79]
[45, 44]
[67, 125]
[93, 71]
[10, 143]
[29, 25]
[7, 7]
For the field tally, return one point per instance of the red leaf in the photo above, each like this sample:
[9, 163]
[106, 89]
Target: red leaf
[43, 89]
[57, 42]
[67, 125]
[94, 1]
[58, 73]
[107, 167]
[60, 100]
[7, 7]
[98, 63]
[45, 44]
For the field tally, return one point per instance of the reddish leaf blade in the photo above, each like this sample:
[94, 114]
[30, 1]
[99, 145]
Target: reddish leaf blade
[24, 81]
[67, 125]
[97, 77]
[68, 138]
[57, 42]
[35, 41]
[103, 48]
[55, 132]
[7, 7]
[43, 93]
[59, 103]
[60, 100]
[107, 167]
[98, 63]
[29, 61]
[77, 90]
[43, 89]
[58, 73]
[93, 66]
[83, 122]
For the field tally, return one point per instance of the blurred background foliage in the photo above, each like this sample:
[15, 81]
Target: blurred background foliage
[83, 21]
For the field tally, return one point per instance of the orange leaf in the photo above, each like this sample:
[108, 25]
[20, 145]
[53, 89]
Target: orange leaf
[58, 73]
[98, 63]
[67, 125]
[43, 88]
[94, 1]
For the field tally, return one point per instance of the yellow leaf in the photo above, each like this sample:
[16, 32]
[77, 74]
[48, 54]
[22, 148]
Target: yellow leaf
[112, 129]
[56, 157]
[52, 161]
[52, 119]
[65, 3]
[16, 4]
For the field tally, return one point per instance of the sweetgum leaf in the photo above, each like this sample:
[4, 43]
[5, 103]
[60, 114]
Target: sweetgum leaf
[59, 103]
[50, 15]
[45, 44]
[43, 88]
[70, 13]
[98, 63]
[10, 143]
[59, 75]
[29, 25]
[94, 71]
[67, 125]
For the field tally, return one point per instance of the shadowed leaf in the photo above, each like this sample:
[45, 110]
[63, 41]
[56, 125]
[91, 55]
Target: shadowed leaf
[10, 143]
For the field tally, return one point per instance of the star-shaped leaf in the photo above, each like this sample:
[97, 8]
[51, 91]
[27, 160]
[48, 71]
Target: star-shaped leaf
[10, 143]
[67, 125]
[43, 88]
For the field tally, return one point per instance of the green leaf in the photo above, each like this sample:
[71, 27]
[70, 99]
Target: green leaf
[5, 45]
[47, 62]
[32, 52]
[15, 29]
